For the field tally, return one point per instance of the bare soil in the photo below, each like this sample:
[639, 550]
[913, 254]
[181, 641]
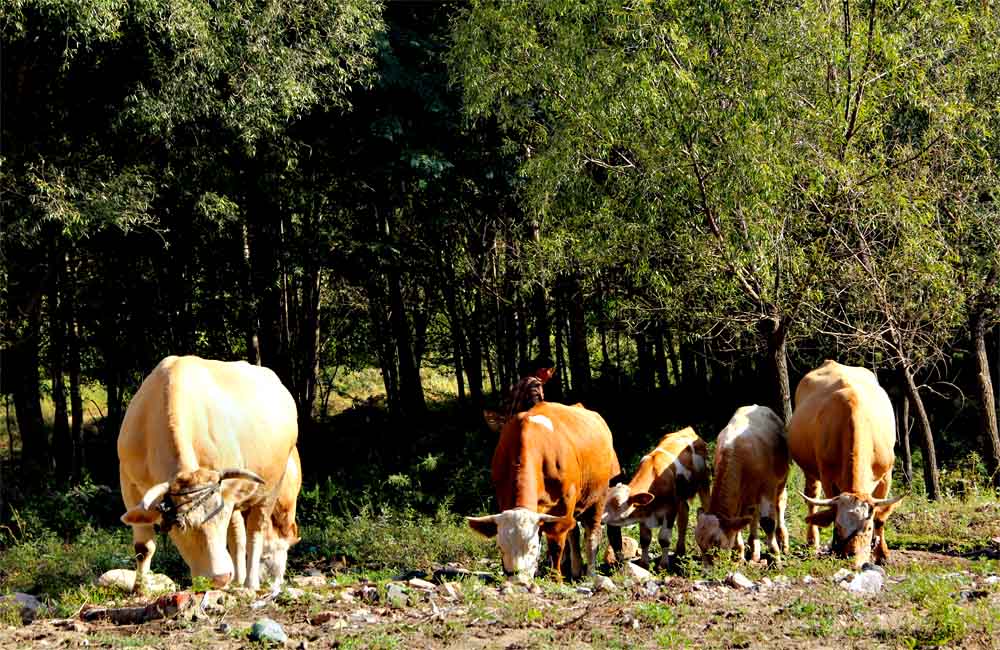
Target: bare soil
[671, 611]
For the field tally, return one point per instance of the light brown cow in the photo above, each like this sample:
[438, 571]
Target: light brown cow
[199, 439]
[667, 478]
[552, 466]
[751, 468]
[279, 537]
[842, 434]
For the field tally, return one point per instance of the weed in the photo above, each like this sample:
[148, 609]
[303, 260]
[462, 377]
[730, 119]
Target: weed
[655, 614]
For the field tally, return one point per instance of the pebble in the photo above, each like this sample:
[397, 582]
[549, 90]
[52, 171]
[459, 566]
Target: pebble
[637, 572]
[992, 580]
[866, 582]
[808, 580]
[841, 575]
[418, 583]
[268, 630]
[739, 581]
[396, 595]
[308, 581]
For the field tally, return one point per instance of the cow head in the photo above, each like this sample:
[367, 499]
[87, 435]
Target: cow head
[516, 531]
[855, 517]
[274, 557]
[620, 509]
[194, 509]
[717, 532]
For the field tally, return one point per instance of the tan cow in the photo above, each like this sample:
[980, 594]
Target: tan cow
[200, 439]
[668, 477]
[552, 466]
[279, 537]
[842, 434]
[751, 468]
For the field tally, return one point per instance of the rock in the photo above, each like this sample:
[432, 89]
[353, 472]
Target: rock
[637, 572]
[739, 581]
[418, 583]
[866, 582]
[367, 593]
[451, 590]
[651, 588]
[223, 628]
[214, 600]
[766, 582]
[992, 580]
[458, 573]
[28, 606]
[699, 585]
[395, 594]
[972, 594]
[70, 624]
[344, 597]
[308, 581]
[630, 550]
[363, 616]
[868, 566]
[125, 579]
[586, 591]
[781, 581]
[604, 583]
[841, 575]
[268, 631]
[808, 580]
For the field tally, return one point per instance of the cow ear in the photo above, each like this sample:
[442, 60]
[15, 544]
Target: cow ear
[823, 518]
[641, 499]
[734, 523]
[486, 526]
[294, 537]
[139, 516]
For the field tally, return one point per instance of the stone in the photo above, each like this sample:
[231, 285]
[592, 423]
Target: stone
[396, 595]
[866, 582]
[739, 581]
[651, 588]
[868, 566]
[214, 600]
[308, 581]
[637, 572]
[630, 550]
[223, 628]
[70, 624]
[992, 580]
[368, 593]
[605, 584]
[267, 630]
[345, 597]
[27, 605]
[766, 582]
[841, 575]
[124, 579]
[808, 580]
[781, 581]
[293, 593]
[418, 583]
[451, 590]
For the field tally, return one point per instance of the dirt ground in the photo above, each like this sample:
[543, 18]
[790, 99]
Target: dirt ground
[336, 611]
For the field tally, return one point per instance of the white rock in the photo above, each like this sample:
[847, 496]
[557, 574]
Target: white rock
[766, 582]
[841, 575]
[992, 580]
[638, 572]
[604, 583]
[294, 593]
[808, 580]
[739, 581]
[125, 579]
[396, 595]
[866, 582]
[450, 590]
[417, 583]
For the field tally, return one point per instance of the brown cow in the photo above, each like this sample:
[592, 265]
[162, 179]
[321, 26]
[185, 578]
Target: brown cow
[751, 468]
[842, 435]
[667, 478]
[552, 466]
[199, 439]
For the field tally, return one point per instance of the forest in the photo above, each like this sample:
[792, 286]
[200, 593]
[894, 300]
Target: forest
[394, 205]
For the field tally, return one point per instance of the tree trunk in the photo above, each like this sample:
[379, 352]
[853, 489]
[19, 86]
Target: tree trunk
[987, 407]
[383, 339]
[558, 386]
[776, 329]
[579, 355]
[904, 439]
[62, 444]
[675, 364]
[660, 359]
[23, 363]
[250, 303]
[644, 358]
[75, 397]
[932, 481]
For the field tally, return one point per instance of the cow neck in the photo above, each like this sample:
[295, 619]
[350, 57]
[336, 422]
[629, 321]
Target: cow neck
[858, 464]
[645, 475]
[527, 468]
[726, 491]
[180, 427]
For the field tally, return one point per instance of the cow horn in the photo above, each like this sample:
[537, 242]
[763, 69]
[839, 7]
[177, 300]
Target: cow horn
[240, 473]
[546, 517]
[483, 519]
[888, 502]
[818, 502]
[154, 495]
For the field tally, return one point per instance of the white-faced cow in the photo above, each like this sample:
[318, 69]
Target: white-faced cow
[200, 439]
[551, 467]
[667, 478]
[751, 468]
[279, 537]
[842, 434]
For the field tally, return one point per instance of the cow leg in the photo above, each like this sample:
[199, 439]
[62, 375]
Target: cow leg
[683, 511]
[768, 521]
[143, 537]
[645, 539]
[752, 535]
[812, 532]
[236, 541]
[255, 525]
[615, 542]
[666, 532]
[779, 517]
[556, 543]
[592, 538]
[575, 559]
[740, 547]
[880, 554]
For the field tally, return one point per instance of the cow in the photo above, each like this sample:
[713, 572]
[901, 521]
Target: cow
[667, 478]
[842, 435]
[551, 467]
[279, 536]
[199, 439]
[751, 469]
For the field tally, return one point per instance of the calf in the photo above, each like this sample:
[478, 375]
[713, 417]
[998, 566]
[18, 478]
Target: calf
[751, 468]
[668, 477]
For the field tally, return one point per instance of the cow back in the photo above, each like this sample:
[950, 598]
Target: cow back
[843, 427]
